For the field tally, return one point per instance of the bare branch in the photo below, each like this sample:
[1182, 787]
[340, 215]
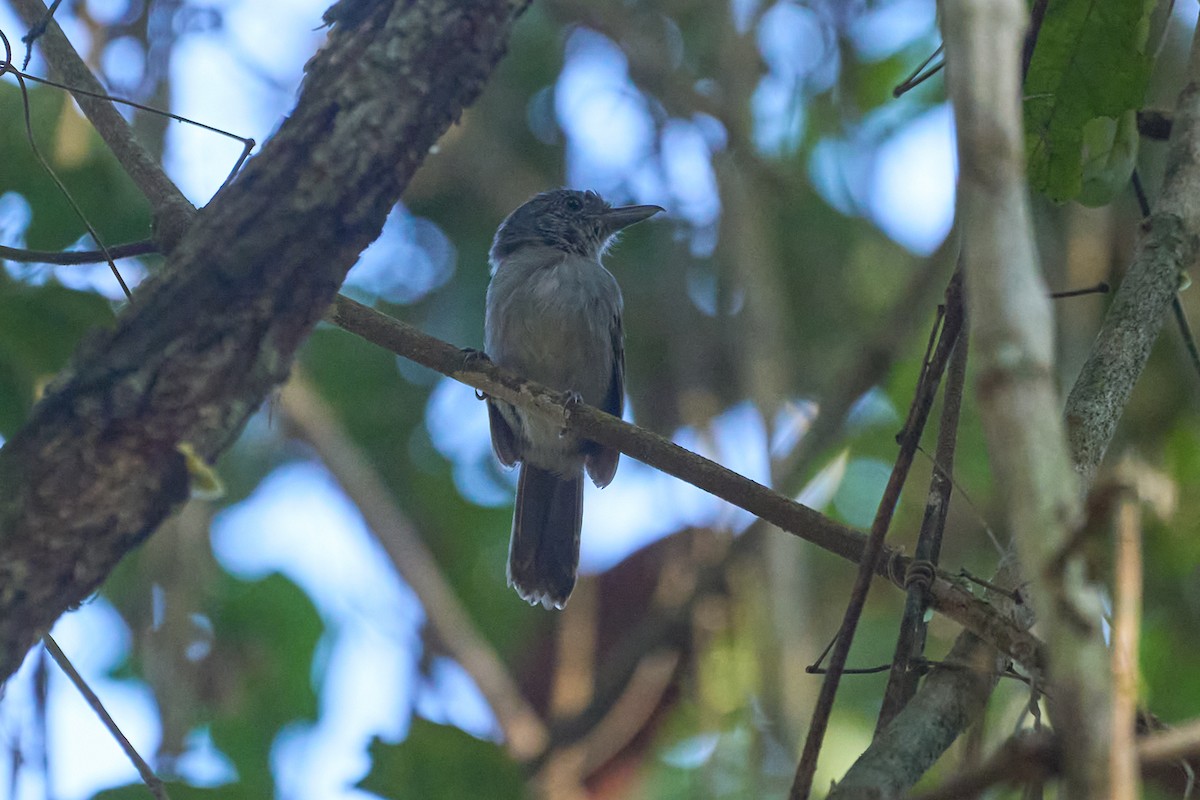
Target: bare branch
[1036, 756]
[910, 439]
[910, 643]
[952, 696]
[75, 257]
[152, 781]
[1171, 746]
[1167, 247]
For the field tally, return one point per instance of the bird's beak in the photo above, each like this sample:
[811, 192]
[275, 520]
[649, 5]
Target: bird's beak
[616, 219]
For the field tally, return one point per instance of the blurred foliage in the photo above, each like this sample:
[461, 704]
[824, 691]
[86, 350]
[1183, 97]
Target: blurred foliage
[39, 327]
[440, 762]
[767, 284]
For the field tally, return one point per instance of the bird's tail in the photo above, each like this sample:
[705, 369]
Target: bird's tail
[543, 553]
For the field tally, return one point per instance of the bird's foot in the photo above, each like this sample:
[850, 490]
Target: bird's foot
[473, 359]
[569, 399]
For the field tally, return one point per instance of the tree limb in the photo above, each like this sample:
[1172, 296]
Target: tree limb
[1167, 247]
[1012, 325]
[648, 447]
[97, 466]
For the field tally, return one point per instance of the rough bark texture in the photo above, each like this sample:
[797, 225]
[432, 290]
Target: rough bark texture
[1169, 244]
[97, 466]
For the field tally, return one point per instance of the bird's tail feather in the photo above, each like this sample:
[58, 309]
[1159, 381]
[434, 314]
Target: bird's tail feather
[543, 553]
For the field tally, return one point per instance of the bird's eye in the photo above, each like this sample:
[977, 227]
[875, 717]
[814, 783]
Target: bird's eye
[574, 204]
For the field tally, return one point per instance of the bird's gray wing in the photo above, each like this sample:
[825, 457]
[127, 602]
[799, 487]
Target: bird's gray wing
[602, 461]
[504, 439]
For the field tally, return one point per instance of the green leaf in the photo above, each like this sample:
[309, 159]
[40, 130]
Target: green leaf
[39, 328]
[438, 762]
[1110, 154]
[1090, 62]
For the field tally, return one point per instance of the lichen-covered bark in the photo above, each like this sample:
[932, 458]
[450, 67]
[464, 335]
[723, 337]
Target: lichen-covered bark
[96, 468]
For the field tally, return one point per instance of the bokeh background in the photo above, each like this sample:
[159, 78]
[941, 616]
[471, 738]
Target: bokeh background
[262, 644]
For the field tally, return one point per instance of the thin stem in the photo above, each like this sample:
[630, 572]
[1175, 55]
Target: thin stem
[67, 258]
[152, 781]
[910, 439]
[910, 643]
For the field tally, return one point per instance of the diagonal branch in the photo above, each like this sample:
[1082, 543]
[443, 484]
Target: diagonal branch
[946, 596]
[97, 466]
[1167, 247]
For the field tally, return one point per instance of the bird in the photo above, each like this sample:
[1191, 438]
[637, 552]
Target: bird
[553, 315]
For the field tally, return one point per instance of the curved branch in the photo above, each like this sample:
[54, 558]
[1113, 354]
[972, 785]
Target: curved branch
[97, 466]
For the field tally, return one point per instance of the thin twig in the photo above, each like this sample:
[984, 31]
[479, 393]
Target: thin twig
[248, 143]
[152, 781]
[920, 74]
[910, 643]
[172, 212]
[1099, 288]
[67, 258]
[6, 66]
[910, 439]
[1012, 594]
[1185, 329]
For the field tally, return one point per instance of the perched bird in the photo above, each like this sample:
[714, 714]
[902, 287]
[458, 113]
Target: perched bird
[554, 316]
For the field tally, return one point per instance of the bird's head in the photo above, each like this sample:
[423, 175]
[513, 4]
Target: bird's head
[581, 223]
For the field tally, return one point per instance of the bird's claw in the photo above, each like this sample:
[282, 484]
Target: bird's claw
[571, 398]
[472, 359]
